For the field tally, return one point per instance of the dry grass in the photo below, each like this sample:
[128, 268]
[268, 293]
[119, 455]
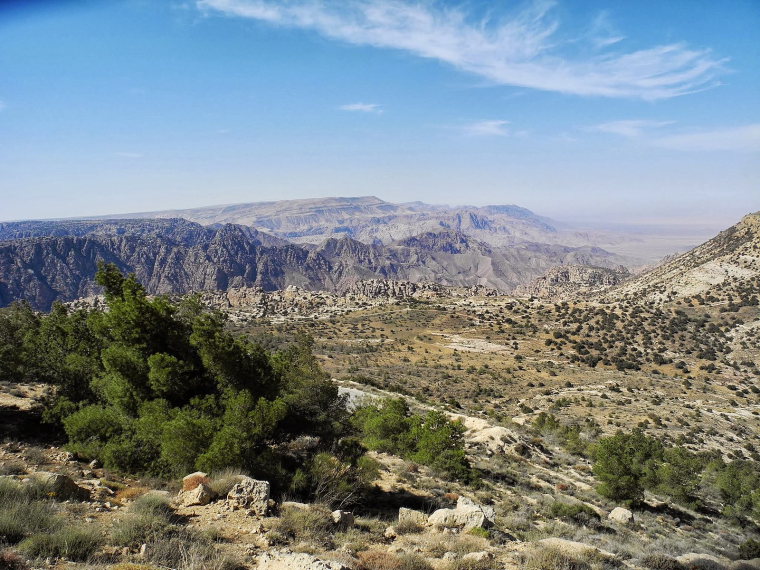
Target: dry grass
[192, 482]
[131, 493]
[383, 560]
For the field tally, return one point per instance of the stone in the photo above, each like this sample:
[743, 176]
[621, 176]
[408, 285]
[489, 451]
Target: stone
[94, 464]
[467, 515]
[390, 533]
[481, 556]
[343, 519]
[250, 494]
[449, 556]
[286, 560]
[60, 486]
[201, 495]
[411, 517]
[621, 515]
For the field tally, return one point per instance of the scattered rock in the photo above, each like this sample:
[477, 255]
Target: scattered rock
[250, 494]
[390, 532]
[201, 495]
[449, 556]
[621, 515]
[343, 519]
[94, 464]
[412, 517]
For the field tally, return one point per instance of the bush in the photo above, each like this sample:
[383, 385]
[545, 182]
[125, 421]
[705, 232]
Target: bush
[749, 549]
[382, 560]
[224, 480]
[314, 524]
[188, 551]
[152, 505]
[74, 543]
[552, 559]
[578, 514]
[626, 463]
[136, 529]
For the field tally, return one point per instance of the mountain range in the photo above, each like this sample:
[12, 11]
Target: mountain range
[326, 245]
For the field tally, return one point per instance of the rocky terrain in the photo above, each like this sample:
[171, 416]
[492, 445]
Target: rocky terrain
[42, 262]
[572, 281]
[373, 221]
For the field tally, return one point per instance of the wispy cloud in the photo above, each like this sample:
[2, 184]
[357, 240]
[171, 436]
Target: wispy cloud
[362, 107]
[629, 128]
[744, 138]
[524, 49]
[602, 33]
[487, 128]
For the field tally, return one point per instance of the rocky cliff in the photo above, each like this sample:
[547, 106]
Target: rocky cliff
[570, 281]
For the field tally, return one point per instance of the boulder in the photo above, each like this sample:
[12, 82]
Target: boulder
[621, 516]
[59, 486]
[286, 560]
[467, 515]
[250, 494]
[465, 504]
[201, 495]
[343, 519]
[411, 517]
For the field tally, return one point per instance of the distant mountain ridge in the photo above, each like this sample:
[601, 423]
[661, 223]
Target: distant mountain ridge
[48, 261]
[374, 221]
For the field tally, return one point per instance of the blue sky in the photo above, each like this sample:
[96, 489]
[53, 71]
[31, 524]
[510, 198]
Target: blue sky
[580, 110]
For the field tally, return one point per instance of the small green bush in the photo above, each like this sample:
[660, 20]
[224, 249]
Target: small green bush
[749, 549]
[74, 543]
[152, 505]
[314, 524]
[136, 529]
[576, 513]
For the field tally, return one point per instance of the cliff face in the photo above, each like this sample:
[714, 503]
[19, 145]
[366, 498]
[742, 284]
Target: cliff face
[42, 262]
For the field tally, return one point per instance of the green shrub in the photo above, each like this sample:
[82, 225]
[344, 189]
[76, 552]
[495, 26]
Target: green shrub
[74, 543]
[136, 529]
[152, 505]
[314, 524]
[626, 463]
[575, 513]
[749, 549]
[186, 550]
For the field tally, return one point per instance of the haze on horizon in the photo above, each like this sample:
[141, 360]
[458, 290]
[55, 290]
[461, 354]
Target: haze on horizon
[590, 111]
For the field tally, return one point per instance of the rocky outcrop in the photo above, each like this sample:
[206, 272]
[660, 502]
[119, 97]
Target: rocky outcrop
[570, 281]
[250, 494]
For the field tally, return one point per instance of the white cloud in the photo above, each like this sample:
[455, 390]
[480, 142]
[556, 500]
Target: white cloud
[745, 138]
[629, 128]
[362, 107]
[522, 50]
[487, 128]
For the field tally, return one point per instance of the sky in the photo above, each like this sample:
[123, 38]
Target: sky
[607, 111]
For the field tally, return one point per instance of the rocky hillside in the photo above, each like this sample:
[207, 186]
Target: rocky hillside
[570, 281]
[724, 269]
[42, 262]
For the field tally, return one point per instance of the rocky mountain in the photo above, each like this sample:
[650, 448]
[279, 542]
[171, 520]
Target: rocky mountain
[724, 269]
[374, 221]
[42, 262]
[570, 281]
